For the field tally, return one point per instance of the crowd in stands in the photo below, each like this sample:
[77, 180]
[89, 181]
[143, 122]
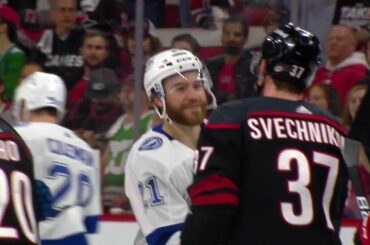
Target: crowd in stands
[91, 46]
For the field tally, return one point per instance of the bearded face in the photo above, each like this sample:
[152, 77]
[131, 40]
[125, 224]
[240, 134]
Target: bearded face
[94, 52]
[186, 101]
[93, 62]
[190, 113]
[233, 38]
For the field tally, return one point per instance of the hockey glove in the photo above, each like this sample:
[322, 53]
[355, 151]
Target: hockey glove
[44, 201]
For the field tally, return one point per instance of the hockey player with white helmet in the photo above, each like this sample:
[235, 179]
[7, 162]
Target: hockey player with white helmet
[159, 166]
[39, 90]
[64, 162]
[169, 63]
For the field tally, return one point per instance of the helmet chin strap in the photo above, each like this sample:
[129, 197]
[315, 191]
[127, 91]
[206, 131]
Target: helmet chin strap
[162, 115]
[213, 103]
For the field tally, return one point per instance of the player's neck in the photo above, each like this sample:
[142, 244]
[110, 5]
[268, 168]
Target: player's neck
[286, 96]
[43, 118]
[270, 90]
[188, 135]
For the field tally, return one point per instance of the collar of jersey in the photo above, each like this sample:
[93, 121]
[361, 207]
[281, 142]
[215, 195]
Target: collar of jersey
[159, 129]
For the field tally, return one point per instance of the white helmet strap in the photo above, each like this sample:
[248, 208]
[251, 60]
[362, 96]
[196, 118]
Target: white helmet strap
[213, 103]
[162, 113]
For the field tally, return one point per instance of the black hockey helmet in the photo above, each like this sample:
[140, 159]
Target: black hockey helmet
[292, 54]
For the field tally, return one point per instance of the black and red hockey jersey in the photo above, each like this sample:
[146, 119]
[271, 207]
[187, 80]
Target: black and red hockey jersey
[61, 56]
[17, 207]
[278, 165]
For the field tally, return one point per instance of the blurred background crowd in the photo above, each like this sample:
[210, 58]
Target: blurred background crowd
[90, 44]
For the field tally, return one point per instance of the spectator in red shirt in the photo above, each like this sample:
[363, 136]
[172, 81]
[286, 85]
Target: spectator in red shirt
[92, 116]
[344, 67]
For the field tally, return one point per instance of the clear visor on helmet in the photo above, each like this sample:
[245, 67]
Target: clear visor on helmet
[193, 80]
[182, 82]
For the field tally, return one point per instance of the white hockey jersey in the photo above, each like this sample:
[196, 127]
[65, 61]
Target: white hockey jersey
[158, 172]
[69, 167]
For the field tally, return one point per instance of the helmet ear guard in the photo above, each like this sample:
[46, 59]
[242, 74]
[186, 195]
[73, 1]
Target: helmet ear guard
[208, 84]
[291, 54]
[157, 91]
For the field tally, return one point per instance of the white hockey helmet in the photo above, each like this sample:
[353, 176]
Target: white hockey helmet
[40, 90]
[172, 62]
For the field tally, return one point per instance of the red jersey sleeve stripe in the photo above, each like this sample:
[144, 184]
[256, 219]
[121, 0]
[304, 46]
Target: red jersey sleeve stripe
[216, 199]
[212, 183]
[223, 126]
[215, 182]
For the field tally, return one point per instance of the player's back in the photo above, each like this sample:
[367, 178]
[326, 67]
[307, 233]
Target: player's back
[292, 179]
[67, 166]
[17, 215]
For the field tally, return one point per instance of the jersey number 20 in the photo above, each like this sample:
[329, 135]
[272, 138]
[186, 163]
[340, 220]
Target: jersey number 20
[21, 193]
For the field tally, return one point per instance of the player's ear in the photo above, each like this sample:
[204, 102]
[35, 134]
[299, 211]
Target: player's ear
[262, 68]
[158, 102]
[261, 75]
